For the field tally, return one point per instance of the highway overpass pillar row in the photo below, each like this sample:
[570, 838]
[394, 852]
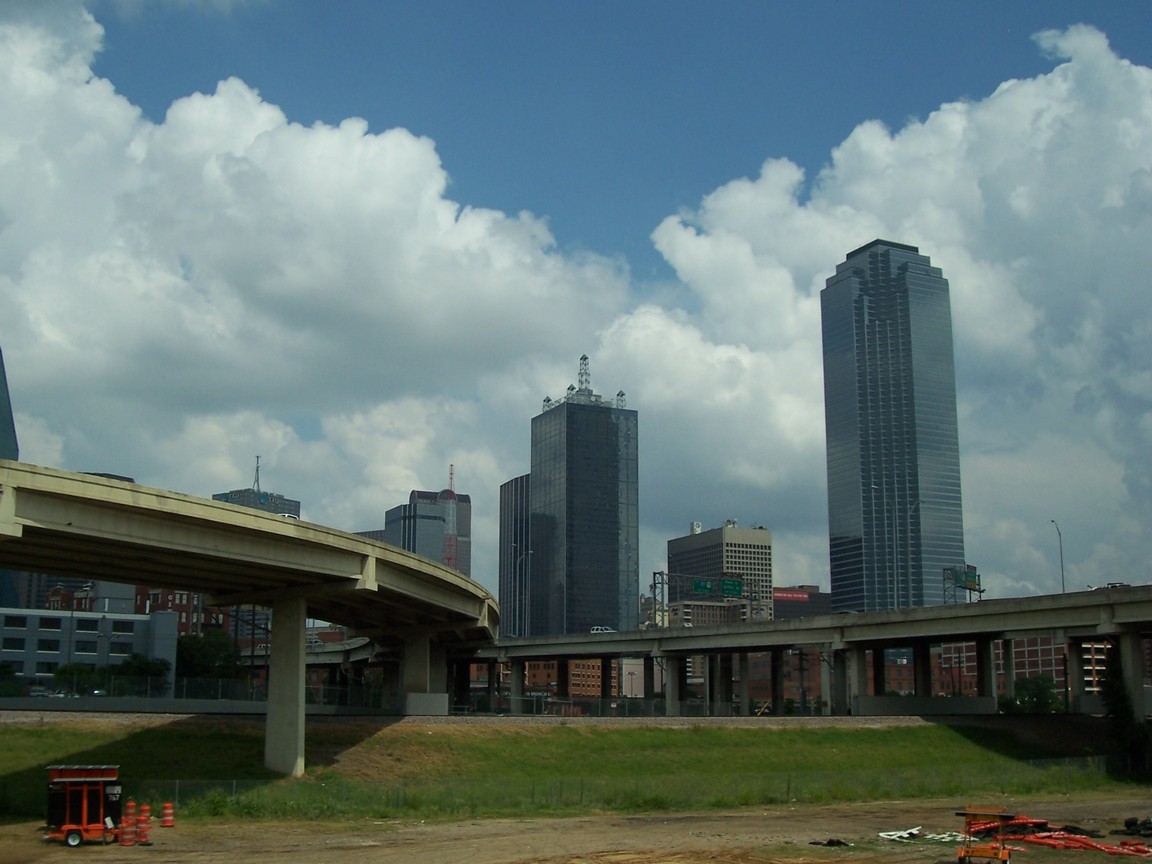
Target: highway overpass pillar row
[673, 685]
[284, 732]
[517, 686]
[985, 667]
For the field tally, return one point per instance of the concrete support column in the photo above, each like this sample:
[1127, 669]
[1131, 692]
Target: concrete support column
[425, 673]
[493, 687]
[462, 685]
[674, 667]
[985, 667]
[1008, 660]
[1132, 662]
[776, 663]
[563, 678]
[745, 701]
[284, 729]
[649, 678]
[857, 675]
[722, 686]
[922, 668]
[606, 666]
[878, 681]
[839, 701]
[516, 687]
[1073, 674]
[824, 664]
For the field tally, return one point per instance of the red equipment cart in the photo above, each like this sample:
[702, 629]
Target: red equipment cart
[83, 803]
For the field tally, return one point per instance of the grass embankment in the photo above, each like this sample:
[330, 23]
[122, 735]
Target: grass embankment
[382, 770]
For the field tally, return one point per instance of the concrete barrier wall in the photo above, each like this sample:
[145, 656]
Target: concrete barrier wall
[922, 705]
[133, 705]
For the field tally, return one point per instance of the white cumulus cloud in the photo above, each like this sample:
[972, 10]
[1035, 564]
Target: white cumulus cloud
[179, 297]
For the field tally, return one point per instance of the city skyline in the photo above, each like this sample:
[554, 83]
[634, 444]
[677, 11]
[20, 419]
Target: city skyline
[365, 245]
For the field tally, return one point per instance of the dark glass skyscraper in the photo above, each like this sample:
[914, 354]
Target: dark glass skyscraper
[8, 446]
[583, 515]
[894, 510]
[515, 555]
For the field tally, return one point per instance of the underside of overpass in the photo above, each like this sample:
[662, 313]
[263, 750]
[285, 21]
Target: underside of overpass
[98, 528]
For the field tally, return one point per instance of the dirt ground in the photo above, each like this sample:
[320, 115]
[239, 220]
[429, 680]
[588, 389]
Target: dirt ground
[780, 835]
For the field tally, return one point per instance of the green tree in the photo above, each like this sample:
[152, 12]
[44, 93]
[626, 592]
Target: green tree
[141, 676]
[209, 655]
[1037, 695]
[79, 678]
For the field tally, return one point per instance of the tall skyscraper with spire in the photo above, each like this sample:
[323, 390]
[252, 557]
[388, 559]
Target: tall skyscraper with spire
[895, 519]
[582, 557]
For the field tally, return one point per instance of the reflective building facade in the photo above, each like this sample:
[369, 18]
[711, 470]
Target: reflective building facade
[584, 515]
[895, 519]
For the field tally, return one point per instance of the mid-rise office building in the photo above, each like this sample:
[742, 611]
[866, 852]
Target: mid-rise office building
[583, 521]
[724, 564]
[436, 525]
[36, 642]
[269, 502]
[894, 504]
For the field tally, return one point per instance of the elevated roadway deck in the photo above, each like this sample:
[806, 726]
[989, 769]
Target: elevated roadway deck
[92, 527]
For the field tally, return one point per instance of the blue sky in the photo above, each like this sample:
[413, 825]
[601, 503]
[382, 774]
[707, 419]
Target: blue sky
[204, 259]
[602, 116]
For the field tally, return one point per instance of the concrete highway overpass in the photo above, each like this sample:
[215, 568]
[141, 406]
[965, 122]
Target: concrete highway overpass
[92, 527]
[853, 647]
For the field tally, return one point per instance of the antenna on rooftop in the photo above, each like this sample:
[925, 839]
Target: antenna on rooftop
[584, 379]
[256, 479]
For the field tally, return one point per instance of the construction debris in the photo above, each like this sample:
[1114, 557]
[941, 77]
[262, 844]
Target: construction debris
[988, 833]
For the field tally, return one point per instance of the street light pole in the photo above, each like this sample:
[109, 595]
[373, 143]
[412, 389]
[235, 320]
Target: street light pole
[1060, 540]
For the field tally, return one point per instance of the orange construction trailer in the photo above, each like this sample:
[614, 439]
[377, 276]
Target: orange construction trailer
[83, 803]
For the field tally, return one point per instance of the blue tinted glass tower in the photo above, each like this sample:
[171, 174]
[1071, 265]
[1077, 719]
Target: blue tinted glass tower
[894, 509]
[584, 514]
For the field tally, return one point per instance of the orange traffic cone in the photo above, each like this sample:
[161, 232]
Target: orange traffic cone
[144, 826]
[128, 831]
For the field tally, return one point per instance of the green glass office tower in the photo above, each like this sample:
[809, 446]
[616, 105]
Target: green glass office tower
[584, 515]
[894, 508]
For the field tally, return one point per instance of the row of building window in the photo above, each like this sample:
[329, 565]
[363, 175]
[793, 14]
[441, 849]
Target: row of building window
[82, 625]
[52, 646]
